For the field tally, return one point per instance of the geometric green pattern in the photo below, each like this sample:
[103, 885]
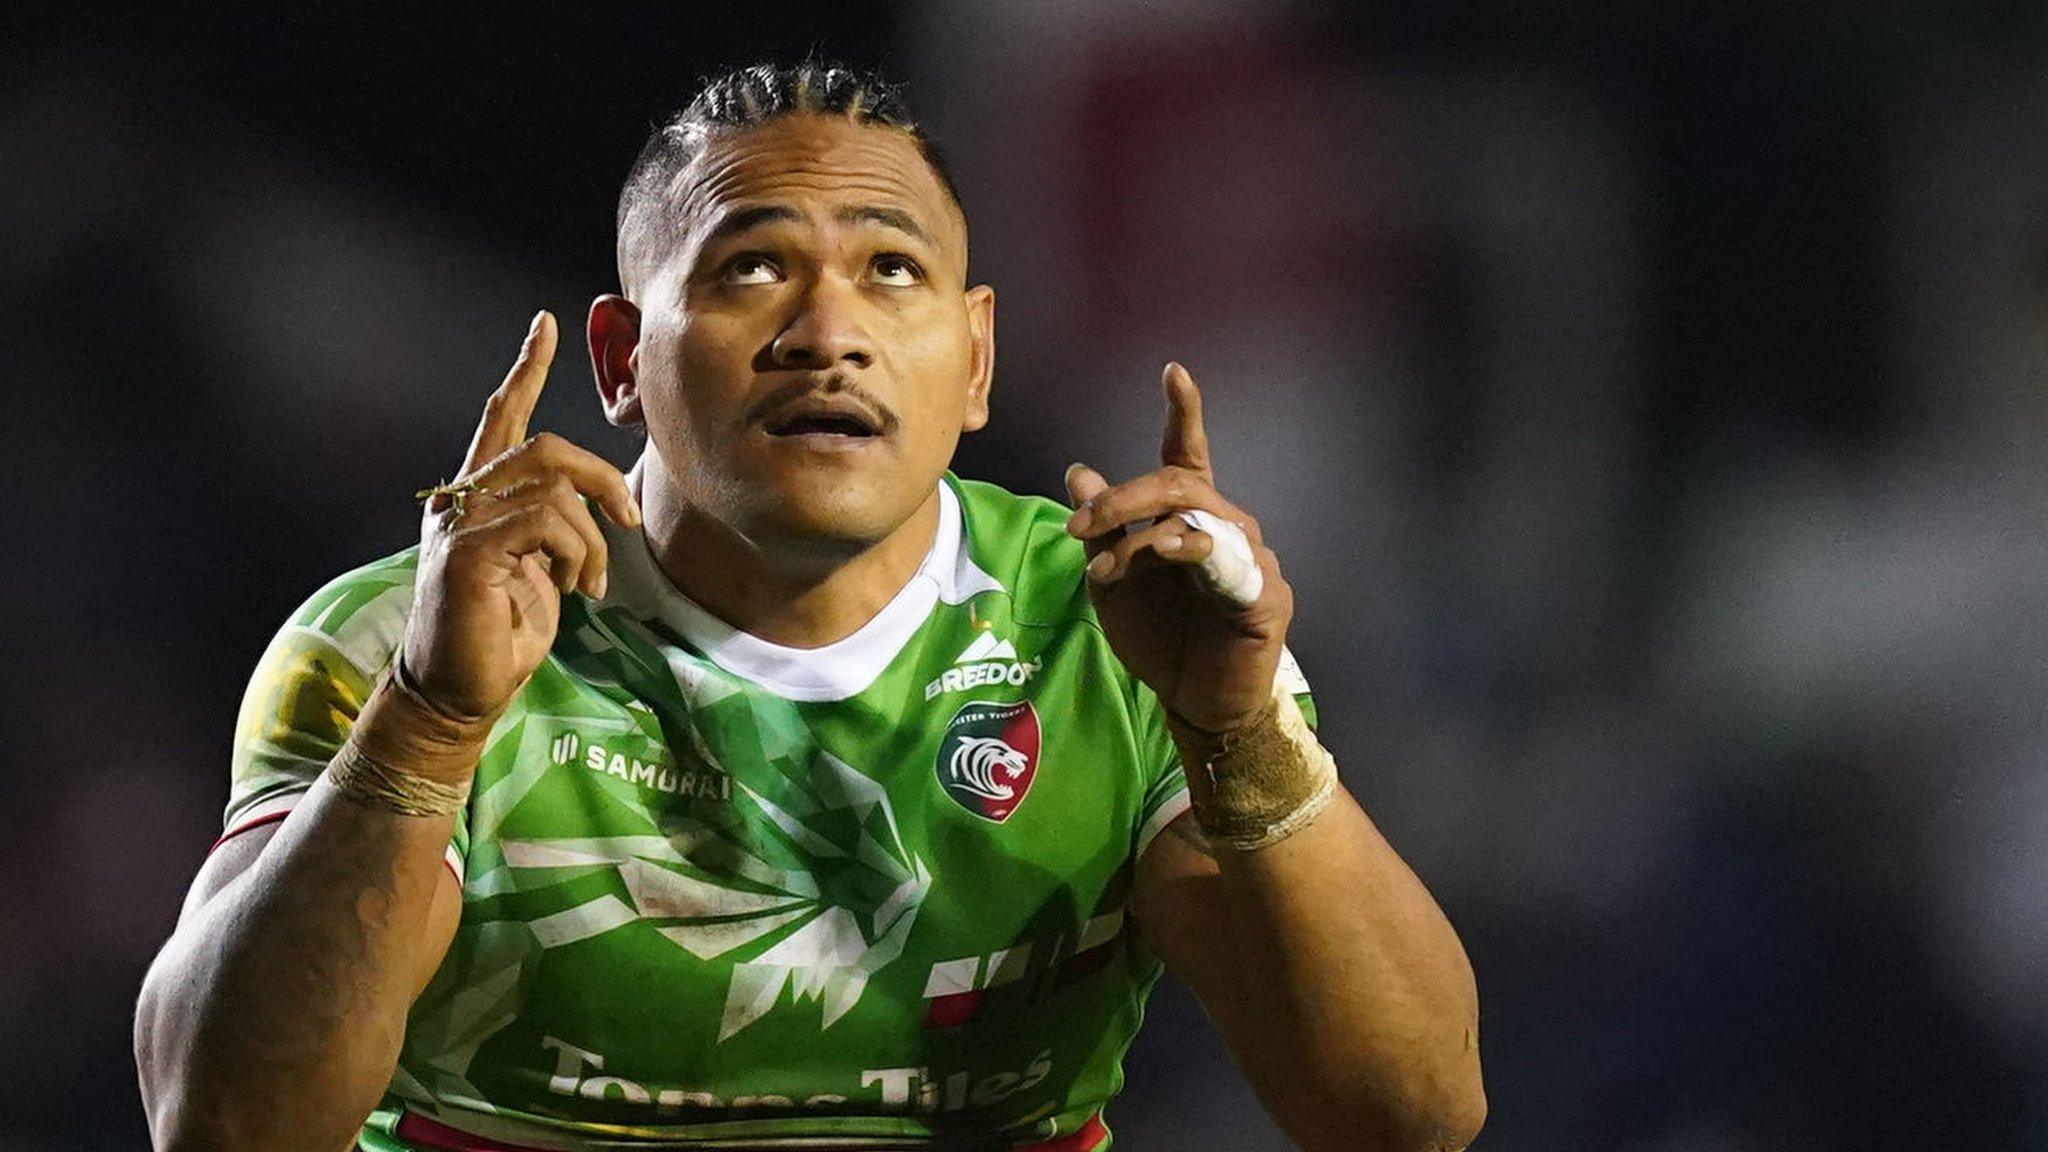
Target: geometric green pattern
[695, 909]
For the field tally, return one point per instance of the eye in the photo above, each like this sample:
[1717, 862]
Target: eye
[751, 268]
[896, 270]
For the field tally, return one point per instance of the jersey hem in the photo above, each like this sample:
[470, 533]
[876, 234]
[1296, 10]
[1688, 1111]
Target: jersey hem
[421, 1131]
[278, 807]
[1168, 811]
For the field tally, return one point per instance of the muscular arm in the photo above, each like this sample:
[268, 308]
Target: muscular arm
[1334, 979]
[272, 1018]
[1333, 976]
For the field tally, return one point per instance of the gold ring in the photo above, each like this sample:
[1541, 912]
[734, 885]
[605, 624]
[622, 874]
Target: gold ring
[458, 493]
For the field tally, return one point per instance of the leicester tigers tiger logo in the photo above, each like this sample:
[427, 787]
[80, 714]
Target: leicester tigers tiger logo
[982, 764]
[988, 757]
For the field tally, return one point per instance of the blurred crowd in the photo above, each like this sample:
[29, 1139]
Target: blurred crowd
[1650, 411]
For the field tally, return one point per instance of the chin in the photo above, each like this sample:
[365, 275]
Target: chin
[826, 512]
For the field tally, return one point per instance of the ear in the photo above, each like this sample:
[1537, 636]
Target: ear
[614, 331]
[981, 331]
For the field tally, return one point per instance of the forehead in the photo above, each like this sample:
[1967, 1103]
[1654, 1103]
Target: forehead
[802, 159]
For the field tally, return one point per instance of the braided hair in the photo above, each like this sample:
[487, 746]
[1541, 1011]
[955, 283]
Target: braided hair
[747, 98]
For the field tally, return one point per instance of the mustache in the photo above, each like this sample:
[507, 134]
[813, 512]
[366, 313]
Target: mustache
[838, 383]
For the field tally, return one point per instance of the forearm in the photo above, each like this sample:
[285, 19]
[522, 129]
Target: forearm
[273, 1017]
[1367, 998]
[1365, 1022]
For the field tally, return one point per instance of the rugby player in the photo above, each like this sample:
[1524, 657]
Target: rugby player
[790, 791]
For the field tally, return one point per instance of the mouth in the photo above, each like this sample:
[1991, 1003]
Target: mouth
[826, 420]
[822, 425]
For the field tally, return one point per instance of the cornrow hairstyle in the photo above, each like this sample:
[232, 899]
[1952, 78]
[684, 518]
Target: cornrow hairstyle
[747, 98]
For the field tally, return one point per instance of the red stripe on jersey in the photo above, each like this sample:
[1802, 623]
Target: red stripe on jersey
[246, 825]
[1084, 1139]
[953, 1010]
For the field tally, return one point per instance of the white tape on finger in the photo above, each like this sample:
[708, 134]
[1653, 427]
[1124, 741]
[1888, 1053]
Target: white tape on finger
[1231, 571]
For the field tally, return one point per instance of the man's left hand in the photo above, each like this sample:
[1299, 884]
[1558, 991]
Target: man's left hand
[1210, 660]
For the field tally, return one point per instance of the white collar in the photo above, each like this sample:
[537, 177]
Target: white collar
[834, 671]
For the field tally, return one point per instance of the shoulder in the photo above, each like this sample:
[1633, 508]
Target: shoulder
[1021, 541]
[314, 676]
[359, 615]
[366, 601]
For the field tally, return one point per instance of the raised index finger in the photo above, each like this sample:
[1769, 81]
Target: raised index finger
[511, 406]
[1185, 443]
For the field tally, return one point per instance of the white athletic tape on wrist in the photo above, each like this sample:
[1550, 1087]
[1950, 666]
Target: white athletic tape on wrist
[1231, 570]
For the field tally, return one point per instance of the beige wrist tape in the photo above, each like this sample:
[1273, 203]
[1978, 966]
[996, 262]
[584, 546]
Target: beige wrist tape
[355, 775]
[1257, 785]
[360, 776]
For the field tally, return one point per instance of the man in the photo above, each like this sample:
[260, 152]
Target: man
[790, 791]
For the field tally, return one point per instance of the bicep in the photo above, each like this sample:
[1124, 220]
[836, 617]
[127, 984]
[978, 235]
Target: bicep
[233, 861]
[1183, 916]
[1177, 888]
[1182, 913]
[228, 861]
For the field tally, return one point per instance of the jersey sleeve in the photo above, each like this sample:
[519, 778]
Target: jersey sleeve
[307, 690]
[1166, 782]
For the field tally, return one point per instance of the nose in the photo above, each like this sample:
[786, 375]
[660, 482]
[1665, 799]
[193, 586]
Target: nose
[826, 330]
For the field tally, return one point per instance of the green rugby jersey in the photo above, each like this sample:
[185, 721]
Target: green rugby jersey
[721, 892]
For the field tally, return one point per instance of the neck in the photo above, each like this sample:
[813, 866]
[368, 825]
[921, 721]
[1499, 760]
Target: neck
[789, 594]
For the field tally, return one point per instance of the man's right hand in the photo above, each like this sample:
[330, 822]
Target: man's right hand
[491, 577]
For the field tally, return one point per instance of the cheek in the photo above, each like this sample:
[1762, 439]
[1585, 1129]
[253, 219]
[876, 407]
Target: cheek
[941, 356]
[659, 399]
[683, 379]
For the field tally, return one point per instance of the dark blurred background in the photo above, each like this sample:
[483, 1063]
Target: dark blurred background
[1647, 402]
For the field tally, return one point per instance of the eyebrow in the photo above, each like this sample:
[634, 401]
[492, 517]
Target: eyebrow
[895, 218]
[744, 219]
